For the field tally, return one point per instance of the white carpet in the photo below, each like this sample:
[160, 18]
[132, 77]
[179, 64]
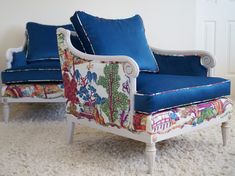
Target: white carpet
[34, 143]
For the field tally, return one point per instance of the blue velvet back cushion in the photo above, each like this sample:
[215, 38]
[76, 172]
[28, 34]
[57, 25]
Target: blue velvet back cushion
[115, 37]
[180, 65]
[42, 41]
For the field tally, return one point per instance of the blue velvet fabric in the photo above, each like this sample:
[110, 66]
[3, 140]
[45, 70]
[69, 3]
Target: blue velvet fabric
[180, 65]
[42, 41]
[161, 91]
[19, 59]
[81, 33]
[76, 43]
[115, 37]
[40, 71]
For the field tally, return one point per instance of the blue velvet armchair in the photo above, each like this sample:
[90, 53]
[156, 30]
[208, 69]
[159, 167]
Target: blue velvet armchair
[112, 80]
[33, 73]
[111, 87]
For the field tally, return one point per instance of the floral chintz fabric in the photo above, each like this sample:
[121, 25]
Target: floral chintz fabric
[181, 117]
[44, 91]
[95, 90]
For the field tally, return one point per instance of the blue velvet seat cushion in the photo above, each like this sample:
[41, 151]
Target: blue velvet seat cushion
[41, 71]
[160, 91]
[115, 37]
[42, 41]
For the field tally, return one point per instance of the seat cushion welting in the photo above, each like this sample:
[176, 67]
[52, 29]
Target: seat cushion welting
[41, 71]
[160, 91]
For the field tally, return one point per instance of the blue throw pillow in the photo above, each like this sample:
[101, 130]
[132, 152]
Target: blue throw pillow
[42, 41]
[115, 37]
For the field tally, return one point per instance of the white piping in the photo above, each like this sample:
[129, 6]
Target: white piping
[79, 20]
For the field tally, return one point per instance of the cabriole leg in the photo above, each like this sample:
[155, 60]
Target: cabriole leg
[6, 111]
[70, 130]
[150, 152]
[225, 131]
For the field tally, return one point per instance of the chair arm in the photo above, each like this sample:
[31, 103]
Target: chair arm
[9, 55]
[11, 51]
[206, 59]
[101, 88]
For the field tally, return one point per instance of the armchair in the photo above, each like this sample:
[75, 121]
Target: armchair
[33, 72]
[110, 93]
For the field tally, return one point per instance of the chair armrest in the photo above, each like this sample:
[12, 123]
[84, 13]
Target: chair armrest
[9, 55]
[206, 61]
[11, 51]
[97, 87]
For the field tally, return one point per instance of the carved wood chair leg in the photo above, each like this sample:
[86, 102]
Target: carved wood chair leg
[225, 131]
[70, 130]
[6, 111]
[150, 152]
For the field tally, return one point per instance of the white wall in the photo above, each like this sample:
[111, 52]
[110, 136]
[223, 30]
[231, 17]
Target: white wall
[169, 23]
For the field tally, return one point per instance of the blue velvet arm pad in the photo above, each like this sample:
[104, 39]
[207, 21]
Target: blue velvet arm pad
[19, 59]
[180, 65]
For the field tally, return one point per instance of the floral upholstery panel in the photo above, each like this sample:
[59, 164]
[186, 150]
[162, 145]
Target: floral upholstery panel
[44, 91]
[95, 90]
[191, 115]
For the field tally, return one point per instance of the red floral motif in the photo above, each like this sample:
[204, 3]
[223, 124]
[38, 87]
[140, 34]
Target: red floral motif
[70, 89]
[68, 58]
[139, 122]
[65, 67]
[14, 91]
